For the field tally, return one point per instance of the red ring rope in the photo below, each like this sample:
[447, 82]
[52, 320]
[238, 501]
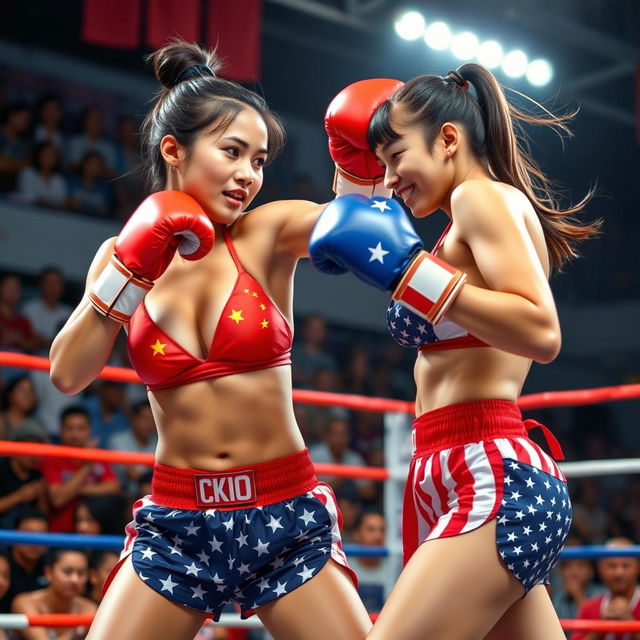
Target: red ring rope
[363, 403]
[602, 626]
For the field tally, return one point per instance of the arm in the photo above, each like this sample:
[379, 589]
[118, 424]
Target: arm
[516, 312]
[61, 493]
[100, 488]
[26, 493]
[120, 276]
[82, 348]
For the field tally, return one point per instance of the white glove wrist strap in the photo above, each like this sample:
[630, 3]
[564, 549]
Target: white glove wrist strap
[429, 286]
[117, 292]
[345, 183]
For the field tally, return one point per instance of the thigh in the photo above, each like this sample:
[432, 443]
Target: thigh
[531, 618]
[131, 610]
[327, 606]
[452, 588]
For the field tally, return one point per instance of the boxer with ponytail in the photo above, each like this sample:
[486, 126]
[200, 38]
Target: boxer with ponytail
[486, 510]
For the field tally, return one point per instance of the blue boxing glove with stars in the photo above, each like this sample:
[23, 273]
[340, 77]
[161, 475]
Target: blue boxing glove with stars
[371, 237]
[374, 239]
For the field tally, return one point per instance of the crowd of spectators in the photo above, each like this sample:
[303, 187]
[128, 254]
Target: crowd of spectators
[49, 162]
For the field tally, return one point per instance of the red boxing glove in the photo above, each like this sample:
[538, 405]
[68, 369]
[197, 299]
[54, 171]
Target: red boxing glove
[346, 122]
[165, 222]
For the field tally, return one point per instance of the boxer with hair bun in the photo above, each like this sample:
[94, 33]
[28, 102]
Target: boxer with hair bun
[486, 510]
[203, 289]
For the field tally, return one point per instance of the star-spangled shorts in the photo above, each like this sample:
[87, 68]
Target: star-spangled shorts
[473, 462]
[249, 535]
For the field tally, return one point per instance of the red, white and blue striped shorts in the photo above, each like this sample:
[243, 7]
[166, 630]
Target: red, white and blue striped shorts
[473, 462]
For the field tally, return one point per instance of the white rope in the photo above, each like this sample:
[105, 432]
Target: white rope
[600, 467]
[20, 621]
[13, 621]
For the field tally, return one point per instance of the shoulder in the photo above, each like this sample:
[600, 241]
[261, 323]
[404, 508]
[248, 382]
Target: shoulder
[85, 605]
[476, 203]
[26, 602]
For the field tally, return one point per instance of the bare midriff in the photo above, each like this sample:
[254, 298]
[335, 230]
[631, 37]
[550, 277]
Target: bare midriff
[459, 375]
[225, 422]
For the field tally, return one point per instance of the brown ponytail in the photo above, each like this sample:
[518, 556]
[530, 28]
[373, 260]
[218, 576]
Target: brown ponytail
[473, 97]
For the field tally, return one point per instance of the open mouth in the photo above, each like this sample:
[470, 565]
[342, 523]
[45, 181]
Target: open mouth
[406, 192]
[237, 197]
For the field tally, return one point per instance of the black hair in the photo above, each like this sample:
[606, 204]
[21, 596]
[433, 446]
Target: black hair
[363, 514]
[473, 97]
[28, 512]
[194, 99]
[98, 556]
[139, 406]
[8, 390]
[37, 151]
[75, 409]
[108, 511]
[53, 555]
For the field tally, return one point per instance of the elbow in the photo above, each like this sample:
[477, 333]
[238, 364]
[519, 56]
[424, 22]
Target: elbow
[547, 346]
[64, 382]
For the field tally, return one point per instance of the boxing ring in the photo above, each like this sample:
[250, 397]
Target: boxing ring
[397, 424]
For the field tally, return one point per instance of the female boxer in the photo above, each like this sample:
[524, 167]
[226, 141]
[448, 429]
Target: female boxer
[486, 511]
[236, 513]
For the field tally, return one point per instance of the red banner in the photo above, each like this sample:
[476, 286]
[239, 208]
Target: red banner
[236, 29]
[167, 18]
[115, 23]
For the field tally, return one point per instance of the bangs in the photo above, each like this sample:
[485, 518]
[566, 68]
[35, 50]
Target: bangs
[380, 130]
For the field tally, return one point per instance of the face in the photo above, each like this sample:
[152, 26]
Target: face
[576, 570]
[75, 431]
[93, 122]
[143, 423]
[85, 522]
[99, 575]
[20, 120]
[337, 436]
[4, 576]
[48, 157]
[93, 167]
[68, 575]
[51, 113]
[418, 175]
[223, 172]
[23, 396]
[31, 552]
[10, 290]
[371, 530]
[618, 574]
[52, 285]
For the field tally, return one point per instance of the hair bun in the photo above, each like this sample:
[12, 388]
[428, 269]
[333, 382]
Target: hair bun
[180, 60]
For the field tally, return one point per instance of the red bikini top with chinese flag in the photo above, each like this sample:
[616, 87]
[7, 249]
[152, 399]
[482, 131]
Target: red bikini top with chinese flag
[251, 334]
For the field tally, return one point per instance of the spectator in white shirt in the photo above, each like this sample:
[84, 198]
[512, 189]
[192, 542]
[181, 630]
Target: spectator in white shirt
[41, 183]
[371, 570]
[141, 438]
[46, 312]
[335, 450]
[91, 140]
[49, 115]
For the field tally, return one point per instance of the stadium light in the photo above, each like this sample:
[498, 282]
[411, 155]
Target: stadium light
[438, 35]
[539, 73]
[410, 25]
[490, 54]
[465, 45]
[514, 64]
